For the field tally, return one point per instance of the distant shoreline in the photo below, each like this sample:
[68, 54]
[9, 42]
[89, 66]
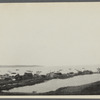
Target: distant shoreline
[21, 66]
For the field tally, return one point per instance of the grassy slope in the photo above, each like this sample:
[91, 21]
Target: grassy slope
[88, 89]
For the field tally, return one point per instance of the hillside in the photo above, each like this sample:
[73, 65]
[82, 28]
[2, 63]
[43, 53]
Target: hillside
[88, 89]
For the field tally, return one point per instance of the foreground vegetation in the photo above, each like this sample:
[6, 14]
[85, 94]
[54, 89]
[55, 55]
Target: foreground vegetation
[88, 89]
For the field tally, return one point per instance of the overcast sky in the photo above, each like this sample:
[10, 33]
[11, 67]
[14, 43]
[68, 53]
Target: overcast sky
[50, 34]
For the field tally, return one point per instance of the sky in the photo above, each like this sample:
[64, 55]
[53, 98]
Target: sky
[50, 34]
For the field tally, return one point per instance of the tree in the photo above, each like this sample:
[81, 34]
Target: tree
[98, 69]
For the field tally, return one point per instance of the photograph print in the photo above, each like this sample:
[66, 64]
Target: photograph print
[49, 49]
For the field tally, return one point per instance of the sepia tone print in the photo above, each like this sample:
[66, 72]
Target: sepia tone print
[50, 49]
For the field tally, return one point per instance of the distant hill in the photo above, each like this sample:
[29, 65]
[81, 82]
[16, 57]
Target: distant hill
[21, 66]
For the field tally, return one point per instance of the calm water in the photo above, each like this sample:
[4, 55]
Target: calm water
[58, 83]
[44, 69]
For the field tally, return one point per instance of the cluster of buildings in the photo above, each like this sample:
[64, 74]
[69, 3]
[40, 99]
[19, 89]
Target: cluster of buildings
[47, 76]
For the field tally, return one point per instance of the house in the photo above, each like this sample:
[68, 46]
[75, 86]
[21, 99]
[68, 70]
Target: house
[18, 77]
[36, 75]
[53, 75]
[27, 76]
[87, 72]
[4, 76]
